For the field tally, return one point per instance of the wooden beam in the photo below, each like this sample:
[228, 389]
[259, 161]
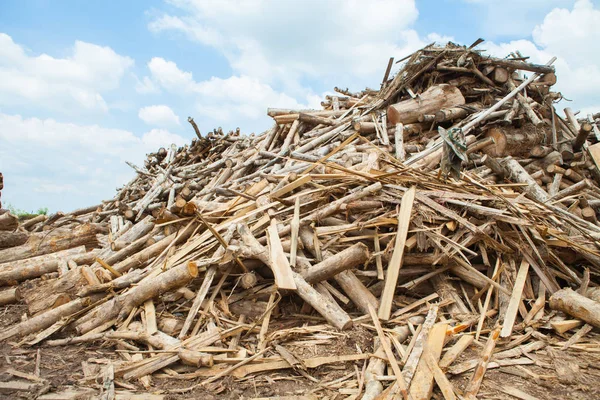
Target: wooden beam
[391, 279]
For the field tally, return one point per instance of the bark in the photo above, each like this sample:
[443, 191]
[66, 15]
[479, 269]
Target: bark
[576, 305]
[517, 173]
[137, 231]
[514, 142]
[44, 320]
[32, 221]
[331, 266]
[8, 222]
[10, 296]
[52, 241]
[324, 305]
[428, 102]
[12, 239]
[350, 284]
[119, 307]
[53, 292]
[195, 358]
[13, 272]
[140, 258]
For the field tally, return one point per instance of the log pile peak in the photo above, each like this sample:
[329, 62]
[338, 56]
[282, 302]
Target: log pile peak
[451, 208]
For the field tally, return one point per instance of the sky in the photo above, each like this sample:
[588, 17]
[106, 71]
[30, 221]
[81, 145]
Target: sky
[86, 86]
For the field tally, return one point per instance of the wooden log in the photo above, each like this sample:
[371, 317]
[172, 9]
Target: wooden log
[8, 222]
[324, 305]
[121, 282]
[576, 305]
[540, 151]
[346, 259]
[195, 358]
[493, 164]
[32, 221]
[44, 320]
[500, 75]
[52, 293]
[513, 142]
[519, 65]
[450, 114]
[13, 272]
[584, 131]
[526, 106]
[377, 363]
[571, 190]
[10, 296]
[589, 214]
[573, 175]
[151, 287]
[55, 240]
[517, 173]
[135, 232]
[119, 307]
[12, 239]
[316, 120]
[139, 259]
[356, 291]
[428, 102]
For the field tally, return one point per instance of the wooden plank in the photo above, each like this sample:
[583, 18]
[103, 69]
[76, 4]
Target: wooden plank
[515, 300]
[290, 186]
[456, 350]
[422, 383]
[473, 387]
[295, 224]
[393, 271]
[415, 304]
[440, 377]
[566, 325]
[281, 266]
[17, 386]
[150, 312]
[282, 364]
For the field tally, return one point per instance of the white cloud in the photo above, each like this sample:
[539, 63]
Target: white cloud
[76, 81]
[145, 86]
[278, 51]
[159, 115]
[570, 35]
[279, 42]
[510, 18]
[72, 165]
[235, 101]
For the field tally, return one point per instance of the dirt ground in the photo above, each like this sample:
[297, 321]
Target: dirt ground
[570, 374]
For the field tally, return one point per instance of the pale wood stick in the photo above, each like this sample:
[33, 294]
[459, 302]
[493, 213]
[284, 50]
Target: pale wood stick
[393, 271]
[515, 300]
[389, 353]
[475, 383]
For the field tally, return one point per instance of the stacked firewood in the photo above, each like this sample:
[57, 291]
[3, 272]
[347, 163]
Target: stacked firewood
[454, 205]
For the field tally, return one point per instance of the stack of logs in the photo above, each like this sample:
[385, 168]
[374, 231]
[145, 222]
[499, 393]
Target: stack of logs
[1, 187]
[350, 215]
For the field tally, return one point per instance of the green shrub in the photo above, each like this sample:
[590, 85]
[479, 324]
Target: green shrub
[23, 215]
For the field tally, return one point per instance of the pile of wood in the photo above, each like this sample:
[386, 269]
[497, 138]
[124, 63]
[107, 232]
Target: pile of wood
[453, 210]
[1, 187]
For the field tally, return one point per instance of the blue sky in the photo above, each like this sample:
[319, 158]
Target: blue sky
[85, 86]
